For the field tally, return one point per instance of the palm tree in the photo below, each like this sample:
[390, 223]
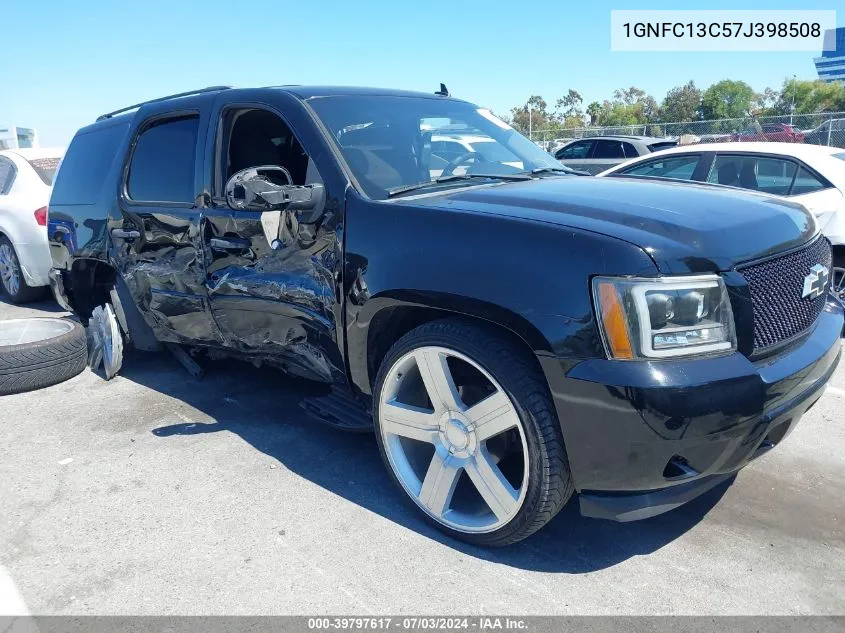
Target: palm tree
[593, 111]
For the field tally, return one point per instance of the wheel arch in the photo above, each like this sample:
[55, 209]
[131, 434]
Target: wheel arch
[387, 317]
[88, 283]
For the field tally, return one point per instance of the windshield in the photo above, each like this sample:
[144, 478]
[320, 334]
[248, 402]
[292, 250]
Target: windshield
[393, 142]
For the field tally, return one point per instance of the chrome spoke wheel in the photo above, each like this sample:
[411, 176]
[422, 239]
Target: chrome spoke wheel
[838, 284]
[454, 439]
[10, 273]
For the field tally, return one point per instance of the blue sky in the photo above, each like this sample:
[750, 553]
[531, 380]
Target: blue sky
[66, 62]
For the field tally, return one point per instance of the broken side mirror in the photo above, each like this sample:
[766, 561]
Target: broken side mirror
[259, 189]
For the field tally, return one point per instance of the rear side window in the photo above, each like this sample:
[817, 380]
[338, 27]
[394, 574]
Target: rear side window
[630, 150]
[770, 175]
[46, 168]
[162, 166]
[806, 182]
[609, 149]
[86, 165]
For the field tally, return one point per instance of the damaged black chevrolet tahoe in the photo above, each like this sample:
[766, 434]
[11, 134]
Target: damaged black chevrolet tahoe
[512, 332]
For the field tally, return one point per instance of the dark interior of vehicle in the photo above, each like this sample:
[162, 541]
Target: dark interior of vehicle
[747, 176]
[743, 176]
[728, 174]
[259, 137]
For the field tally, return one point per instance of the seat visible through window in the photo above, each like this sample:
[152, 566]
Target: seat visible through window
[259, 137]
[728, 174]
[748, 176]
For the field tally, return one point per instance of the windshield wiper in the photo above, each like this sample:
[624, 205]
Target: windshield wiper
[563, 170]
[452, 177]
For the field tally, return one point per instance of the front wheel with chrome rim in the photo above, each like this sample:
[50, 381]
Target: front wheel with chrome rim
[468, 431]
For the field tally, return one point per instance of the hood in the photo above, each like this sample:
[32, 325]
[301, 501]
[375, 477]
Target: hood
[684, 227]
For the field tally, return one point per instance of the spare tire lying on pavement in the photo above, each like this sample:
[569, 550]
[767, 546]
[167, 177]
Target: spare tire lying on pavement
[36, 353]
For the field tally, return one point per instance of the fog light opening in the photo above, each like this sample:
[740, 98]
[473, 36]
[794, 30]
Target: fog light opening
[678, 468]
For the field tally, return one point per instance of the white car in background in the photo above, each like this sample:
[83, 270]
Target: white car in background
[26, 177]
[454, 153]
[810, 174]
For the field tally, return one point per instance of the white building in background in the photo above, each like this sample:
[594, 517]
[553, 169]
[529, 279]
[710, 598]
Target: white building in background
[13, 137]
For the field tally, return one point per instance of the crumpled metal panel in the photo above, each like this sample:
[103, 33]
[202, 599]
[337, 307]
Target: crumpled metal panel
[164, 273]
[277, 303]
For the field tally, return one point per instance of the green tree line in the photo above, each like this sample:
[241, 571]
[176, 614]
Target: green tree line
[726, 99]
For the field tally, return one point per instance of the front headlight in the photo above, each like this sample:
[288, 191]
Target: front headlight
[663, 317]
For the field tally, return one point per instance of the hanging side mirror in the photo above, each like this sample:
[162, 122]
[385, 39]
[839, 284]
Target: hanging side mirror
[261, 189]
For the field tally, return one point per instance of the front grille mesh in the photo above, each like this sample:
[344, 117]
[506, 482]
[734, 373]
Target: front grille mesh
[776, 286]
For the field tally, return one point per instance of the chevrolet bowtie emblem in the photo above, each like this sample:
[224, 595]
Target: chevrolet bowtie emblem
[816, 283]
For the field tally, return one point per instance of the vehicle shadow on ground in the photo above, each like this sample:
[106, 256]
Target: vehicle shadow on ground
[261, 406]
[47, 304]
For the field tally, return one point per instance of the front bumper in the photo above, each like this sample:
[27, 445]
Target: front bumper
[645, 437]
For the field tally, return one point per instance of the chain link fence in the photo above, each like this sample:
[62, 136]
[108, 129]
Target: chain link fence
[827, 128]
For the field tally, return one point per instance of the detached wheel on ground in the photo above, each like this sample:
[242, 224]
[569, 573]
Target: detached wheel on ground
[468, 431]
[36, 353]
[12, 282]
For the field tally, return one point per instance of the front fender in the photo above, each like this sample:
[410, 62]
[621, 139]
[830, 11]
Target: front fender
[529, 277]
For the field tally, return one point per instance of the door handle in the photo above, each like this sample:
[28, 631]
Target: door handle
[126, 235]
[229, 244]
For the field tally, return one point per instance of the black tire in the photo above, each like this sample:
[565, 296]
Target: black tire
[839, 262]
[25, 293]
[37, 364]
[550, 483]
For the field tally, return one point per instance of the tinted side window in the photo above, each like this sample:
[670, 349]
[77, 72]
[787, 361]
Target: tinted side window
[771, 175]
[576, 150]
[7, 175]
[162, 167]
[806, 182]
[630, 150]
[86, 164]
[609, 149]
[677, 167]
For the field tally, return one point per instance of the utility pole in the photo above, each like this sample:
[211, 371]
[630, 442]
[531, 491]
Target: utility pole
[529, 122]
[792, 109]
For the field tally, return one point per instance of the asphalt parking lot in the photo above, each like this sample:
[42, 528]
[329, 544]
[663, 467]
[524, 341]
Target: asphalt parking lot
[156, 493]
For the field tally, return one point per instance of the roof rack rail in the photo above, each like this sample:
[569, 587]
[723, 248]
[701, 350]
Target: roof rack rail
[176, 96]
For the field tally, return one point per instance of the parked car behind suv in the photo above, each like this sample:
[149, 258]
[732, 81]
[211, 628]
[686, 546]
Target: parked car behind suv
[777, 132]
[596, 154]
[512, 334]
[25, 179]
[831, 132]
[810, 175]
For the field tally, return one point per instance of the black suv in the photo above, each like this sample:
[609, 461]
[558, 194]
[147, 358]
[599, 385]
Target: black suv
[512, 333]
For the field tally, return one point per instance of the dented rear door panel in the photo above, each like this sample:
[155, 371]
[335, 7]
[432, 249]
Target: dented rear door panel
[162, 263]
